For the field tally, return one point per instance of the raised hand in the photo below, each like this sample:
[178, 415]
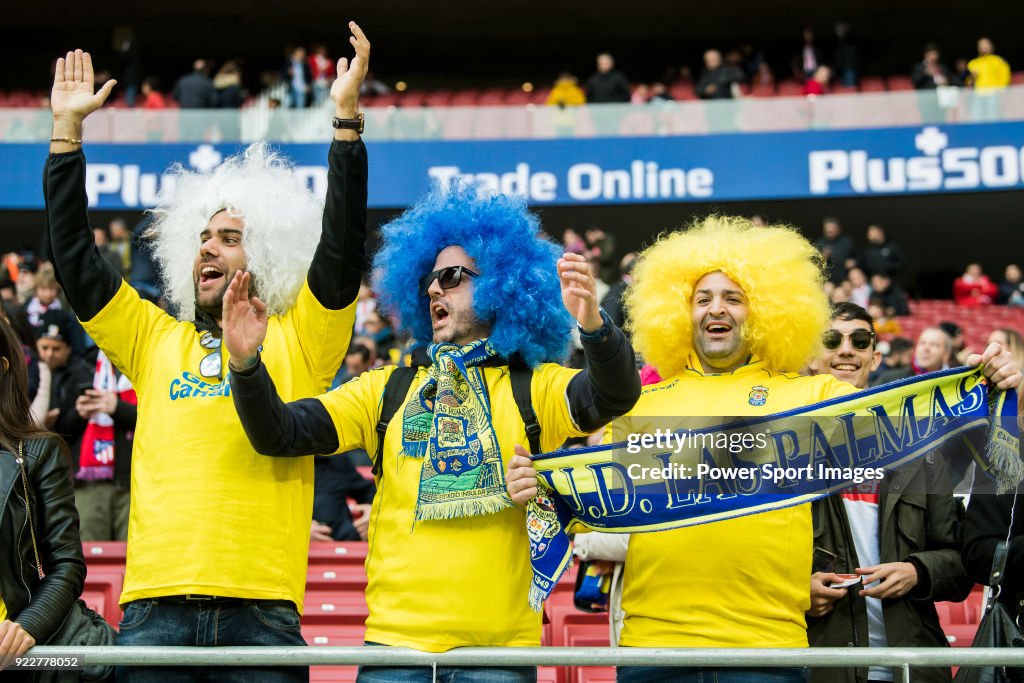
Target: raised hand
[243, 322]
[1000, 368]
[579, 291]
[73, 95]
[345, 90]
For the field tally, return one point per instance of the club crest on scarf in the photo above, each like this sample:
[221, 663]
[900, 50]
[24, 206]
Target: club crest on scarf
[448, 424]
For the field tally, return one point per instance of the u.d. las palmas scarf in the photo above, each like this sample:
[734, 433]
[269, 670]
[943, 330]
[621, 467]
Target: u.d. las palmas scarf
[714, 469]
[447, 422]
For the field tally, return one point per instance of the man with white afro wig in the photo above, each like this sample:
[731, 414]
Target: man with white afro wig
[218, 535]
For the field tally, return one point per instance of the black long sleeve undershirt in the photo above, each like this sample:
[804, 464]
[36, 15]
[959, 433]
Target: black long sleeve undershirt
[608, 388]
[90, 282]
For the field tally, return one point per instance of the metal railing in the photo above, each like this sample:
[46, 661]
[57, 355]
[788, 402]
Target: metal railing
[745, 115]
[824, 657]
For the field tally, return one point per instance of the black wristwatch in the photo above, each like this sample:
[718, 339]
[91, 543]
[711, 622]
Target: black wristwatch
[357, 124]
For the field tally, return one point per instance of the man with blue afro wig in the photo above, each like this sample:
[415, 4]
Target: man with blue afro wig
[449, 561]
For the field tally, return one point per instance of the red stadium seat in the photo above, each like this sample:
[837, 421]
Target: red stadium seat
[412, 98]
[588, 635]
[493, 97]
[872, 84]
[547, 674]
[108, 582]
[1017, 78]
[841, 89]
[438, 98]
[343, 552]
[104, 553]
[341, 577]
[517, 97]
[790, 88]
[898, 83]
[682, 90]
[334, 635]
[333, 607]
[465, 98]
[762, 90]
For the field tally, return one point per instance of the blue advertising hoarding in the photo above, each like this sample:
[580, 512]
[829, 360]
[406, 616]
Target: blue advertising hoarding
[791, 165]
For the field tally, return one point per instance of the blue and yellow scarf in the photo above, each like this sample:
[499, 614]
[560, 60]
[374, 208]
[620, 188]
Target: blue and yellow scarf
[448, 420]
[818, 449]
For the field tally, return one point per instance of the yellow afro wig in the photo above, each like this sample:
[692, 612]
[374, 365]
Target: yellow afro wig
[779, 270]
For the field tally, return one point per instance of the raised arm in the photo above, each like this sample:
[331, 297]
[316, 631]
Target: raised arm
[89, 281]
[302, 427]
[610, 384]
[340, 258]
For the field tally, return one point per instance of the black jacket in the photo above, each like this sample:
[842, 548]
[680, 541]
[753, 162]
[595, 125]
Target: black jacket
[886, 258]
[612, 86]
[195, 91]
[39, 606]
[914, 526]
[64, 385]
[337, 480]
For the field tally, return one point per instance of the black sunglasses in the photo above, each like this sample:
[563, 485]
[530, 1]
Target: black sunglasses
[446, 277]
[861, 339]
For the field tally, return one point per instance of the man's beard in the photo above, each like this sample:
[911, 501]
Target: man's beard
[214, 304]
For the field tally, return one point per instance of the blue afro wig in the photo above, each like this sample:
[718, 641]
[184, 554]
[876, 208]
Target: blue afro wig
[518, 290]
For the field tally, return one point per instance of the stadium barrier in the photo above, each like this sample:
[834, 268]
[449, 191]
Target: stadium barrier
[744, 115]
[900, 658]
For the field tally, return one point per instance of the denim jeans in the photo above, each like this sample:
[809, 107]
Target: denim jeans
[210, 624]
[446, 674]
[668, 674]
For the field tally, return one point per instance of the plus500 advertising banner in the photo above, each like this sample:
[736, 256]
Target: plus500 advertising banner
[889, 161]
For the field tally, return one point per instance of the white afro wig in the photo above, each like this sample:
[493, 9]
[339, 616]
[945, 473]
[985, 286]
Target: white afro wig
[282, 220]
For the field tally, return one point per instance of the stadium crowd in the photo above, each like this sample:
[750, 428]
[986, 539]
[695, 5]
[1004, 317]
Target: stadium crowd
[212, 331]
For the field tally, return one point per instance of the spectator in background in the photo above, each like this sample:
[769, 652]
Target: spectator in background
[959, 349]
[608, 84]
[322, 73]
[932, 353]
[900, 355]
[102, 239]
[1011, 289]
[121, 245]
[764, 78]
[641, 94]
[360, 357]
[894, 299]
[601, 247]
[336, 480]
[572, 242]
[67, 374]
[989, 74]
[908, 547]
[378, 328]
[884, 323]
[819, 83]
[880, 255]
[860, 290]
[810, 56]
[566, 92]
[366, 303]
[130, 70]
[988, 71]
[143, 276]
[839, 250]
[104, 453]
[45, 296]
[195, 90]
[297, 75]
[973, 288]
[1011, 340]
[151, 96]
[718, 81]
[228, 84]
[930, 72]
[612, 301]
[847, 56]
[753, 59]
[659, 93]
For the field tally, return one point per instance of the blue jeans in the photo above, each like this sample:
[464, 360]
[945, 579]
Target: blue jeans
[669, 674]
[446, 674]
[210, 624]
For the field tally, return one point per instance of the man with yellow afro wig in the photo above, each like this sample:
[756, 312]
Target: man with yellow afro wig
[728, 313]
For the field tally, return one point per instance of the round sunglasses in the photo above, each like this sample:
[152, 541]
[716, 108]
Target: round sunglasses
[860, 339]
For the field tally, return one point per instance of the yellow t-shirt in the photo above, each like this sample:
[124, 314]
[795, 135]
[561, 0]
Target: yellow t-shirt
[990, 71]
[736, 583]
[3, 610]
[439, 584]
[209, 515]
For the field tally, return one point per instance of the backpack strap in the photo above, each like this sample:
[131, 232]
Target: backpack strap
[521, 379]
[395, 391]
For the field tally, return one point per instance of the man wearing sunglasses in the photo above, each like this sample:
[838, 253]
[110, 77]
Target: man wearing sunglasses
[449, 559]
[903, 543]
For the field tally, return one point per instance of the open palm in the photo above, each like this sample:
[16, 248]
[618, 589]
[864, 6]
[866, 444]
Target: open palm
[345, 90]
[243, 319]
[73, 91]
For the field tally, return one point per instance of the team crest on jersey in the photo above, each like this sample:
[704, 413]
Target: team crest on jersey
[758, 395]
